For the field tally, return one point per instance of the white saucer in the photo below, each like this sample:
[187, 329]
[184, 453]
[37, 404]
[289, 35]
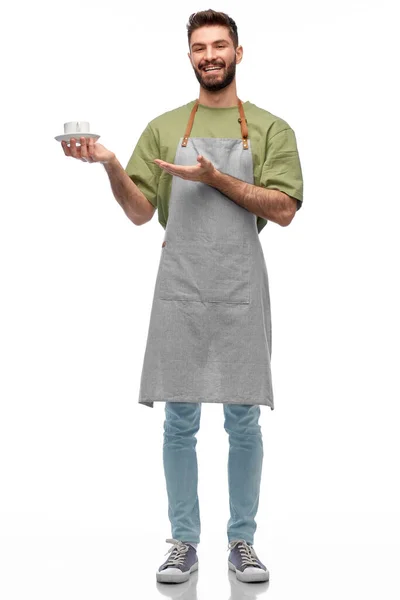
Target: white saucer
[66, 137]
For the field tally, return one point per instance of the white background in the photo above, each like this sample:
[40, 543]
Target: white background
[83, 507]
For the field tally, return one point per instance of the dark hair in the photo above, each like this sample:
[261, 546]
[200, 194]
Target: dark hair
[211, 17]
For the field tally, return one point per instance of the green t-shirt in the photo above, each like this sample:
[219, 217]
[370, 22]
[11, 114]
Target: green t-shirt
[276, 163]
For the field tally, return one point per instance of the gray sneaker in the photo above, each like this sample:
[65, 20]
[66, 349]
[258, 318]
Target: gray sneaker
[245, 562]
[181, 563]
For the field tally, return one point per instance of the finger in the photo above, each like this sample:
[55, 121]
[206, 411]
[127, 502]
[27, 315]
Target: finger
[173, 171]
[162, 163]
[64, 145]
[168, 171]
[181, 175]
[165, 166]
[178, 169]
[73, 148]
[83, 149]
[91, 148]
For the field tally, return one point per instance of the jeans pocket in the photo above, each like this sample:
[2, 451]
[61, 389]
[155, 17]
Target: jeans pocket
[201, 271]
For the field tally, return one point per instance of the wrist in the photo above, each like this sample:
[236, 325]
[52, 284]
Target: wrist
[110, 162]
[214, 177]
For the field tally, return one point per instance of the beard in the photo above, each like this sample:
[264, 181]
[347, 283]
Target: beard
[214, 84]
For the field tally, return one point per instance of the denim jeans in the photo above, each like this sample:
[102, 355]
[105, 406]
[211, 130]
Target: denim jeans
[182, 422]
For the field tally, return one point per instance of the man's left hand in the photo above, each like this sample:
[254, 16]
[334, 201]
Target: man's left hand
[204, 171]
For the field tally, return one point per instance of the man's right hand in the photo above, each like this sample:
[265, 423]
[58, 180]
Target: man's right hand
[88, 151]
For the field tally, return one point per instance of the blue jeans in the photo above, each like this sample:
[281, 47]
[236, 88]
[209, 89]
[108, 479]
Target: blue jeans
[182, 422]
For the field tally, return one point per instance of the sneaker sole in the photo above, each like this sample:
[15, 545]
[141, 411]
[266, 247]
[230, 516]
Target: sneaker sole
[249, 577]
[173, 575]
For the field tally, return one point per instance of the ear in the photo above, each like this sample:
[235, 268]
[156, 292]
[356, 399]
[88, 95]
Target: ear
[190, 58]
[239, 54]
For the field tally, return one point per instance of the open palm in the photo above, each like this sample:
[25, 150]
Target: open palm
[88, 151]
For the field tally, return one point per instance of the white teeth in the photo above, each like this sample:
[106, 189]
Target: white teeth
[212, 68]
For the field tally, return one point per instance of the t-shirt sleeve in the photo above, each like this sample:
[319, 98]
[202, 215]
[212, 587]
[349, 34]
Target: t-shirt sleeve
[282, 169]
[141, 168]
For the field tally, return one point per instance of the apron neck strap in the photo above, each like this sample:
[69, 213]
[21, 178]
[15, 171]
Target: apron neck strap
[190, 124]
[242, 120]
[243, 126]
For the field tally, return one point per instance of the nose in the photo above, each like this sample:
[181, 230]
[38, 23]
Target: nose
[210, 53]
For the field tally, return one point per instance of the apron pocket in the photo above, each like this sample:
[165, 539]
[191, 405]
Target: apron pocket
[205, 272]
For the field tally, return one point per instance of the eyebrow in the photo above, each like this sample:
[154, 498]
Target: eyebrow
[216, 42]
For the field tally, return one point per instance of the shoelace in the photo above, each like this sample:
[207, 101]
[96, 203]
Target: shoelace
[247, 552]
[178, 552]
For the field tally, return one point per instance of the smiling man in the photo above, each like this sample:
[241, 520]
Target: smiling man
[217, 170]
[224, 64]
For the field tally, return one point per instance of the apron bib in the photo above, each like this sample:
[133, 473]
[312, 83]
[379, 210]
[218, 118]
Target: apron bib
[209, 336]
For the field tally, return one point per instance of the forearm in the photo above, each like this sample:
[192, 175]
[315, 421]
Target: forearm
[272, 205]
[134, 203]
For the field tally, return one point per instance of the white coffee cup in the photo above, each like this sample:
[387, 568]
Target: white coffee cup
[76, 127]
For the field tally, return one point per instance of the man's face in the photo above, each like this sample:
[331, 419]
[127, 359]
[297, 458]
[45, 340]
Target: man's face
[212, 46]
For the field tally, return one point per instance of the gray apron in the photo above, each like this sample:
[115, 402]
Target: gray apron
[209, 336]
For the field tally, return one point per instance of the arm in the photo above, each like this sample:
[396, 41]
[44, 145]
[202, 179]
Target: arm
[134, 203]
[280, 191]
[270, 204]
[280, 194]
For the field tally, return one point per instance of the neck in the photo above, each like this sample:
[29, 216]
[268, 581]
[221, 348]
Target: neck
[222, 99]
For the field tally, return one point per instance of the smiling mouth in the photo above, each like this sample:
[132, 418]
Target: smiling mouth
[212, 70]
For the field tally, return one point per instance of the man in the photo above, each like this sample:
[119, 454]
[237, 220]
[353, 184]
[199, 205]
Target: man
[217, 169]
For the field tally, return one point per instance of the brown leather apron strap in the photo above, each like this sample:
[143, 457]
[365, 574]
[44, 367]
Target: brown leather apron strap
[243, 126]
[190, 124]
[242, 120]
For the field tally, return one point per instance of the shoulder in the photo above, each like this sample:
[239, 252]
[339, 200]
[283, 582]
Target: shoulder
[171, 118]
[268, 123]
